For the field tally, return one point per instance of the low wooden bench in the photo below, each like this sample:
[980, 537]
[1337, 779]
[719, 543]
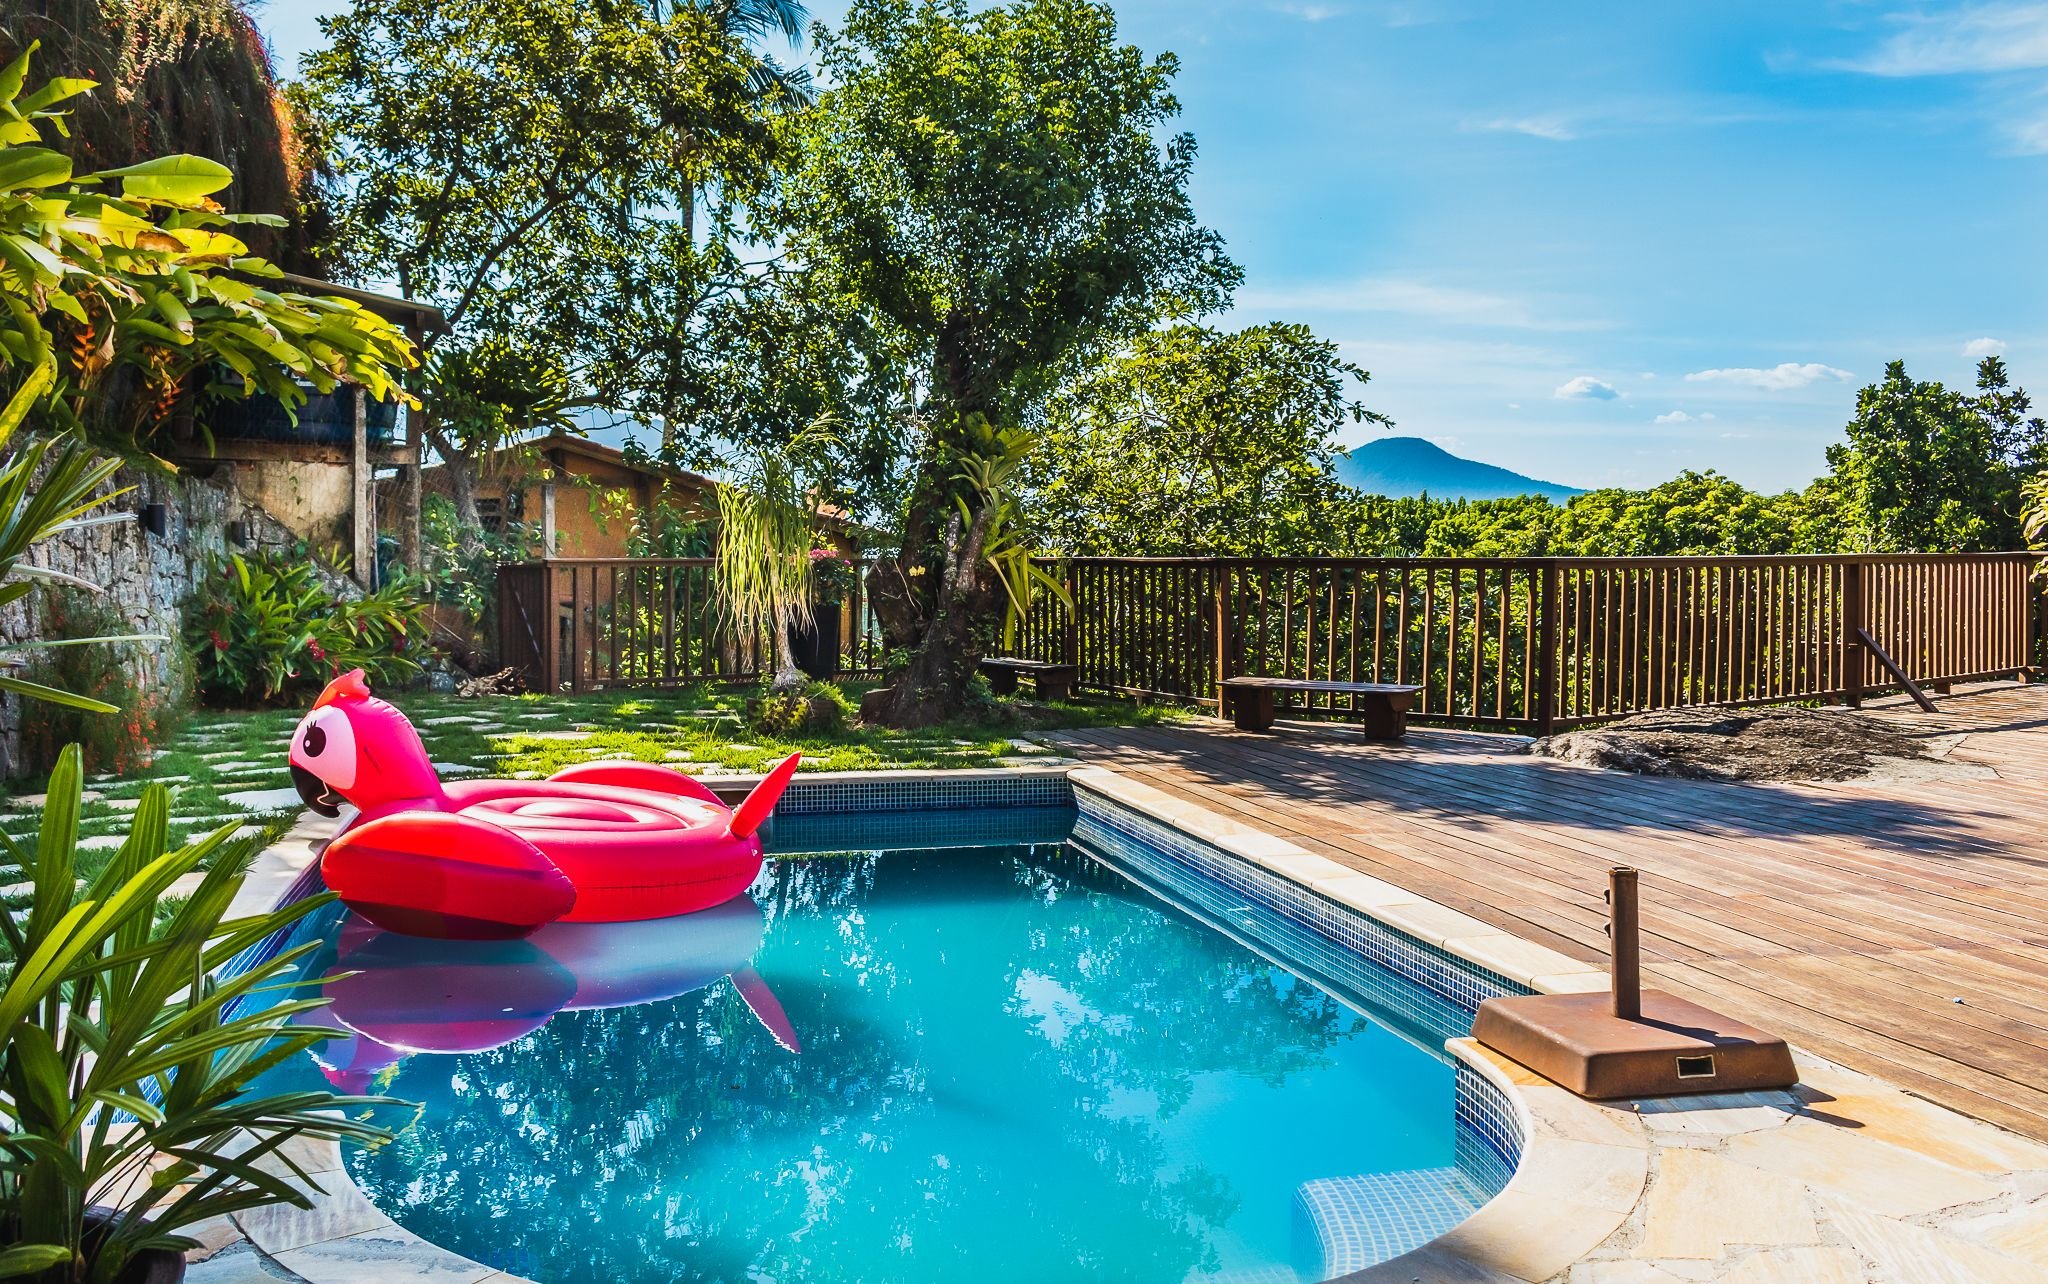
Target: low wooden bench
[1055, 681]
[1383, 706]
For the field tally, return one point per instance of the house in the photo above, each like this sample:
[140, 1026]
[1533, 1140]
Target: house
[584, 498]
[315, 470]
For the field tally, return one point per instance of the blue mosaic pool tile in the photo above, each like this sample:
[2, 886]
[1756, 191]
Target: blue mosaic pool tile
[1361, 1221]
[928, 793]
[1489, 1139]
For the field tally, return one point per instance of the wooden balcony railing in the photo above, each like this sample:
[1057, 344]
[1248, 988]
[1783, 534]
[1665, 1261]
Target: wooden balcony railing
[1522, 644]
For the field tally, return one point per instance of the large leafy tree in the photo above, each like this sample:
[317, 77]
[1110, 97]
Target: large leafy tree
[997, 190]
[1197, 441]
[534, 167]
[1929, 469]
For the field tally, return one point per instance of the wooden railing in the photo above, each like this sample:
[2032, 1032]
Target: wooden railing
[1538, 644]
[1521, 644]
[579, 624]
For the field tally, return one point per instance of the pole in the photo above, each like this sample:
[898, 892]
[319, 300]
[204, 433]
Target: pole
[1624, 945]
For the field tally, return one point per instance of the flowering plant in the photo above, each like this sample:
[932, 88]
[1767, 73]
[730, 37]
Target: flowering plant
[832, 575]
[264, 627]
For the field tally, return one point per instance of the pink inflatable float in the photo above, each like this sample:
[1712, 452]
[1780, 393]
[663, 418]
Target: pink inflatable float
[602, 842]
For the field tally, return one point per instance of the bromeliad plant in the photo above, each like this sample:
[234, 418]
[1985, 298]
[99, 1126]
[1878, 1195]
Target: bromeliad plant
[264, 626]
[129, 1067]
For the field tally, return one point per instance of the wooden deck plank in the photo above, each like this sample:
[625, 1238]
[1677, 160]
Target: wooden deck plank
[1848, 916]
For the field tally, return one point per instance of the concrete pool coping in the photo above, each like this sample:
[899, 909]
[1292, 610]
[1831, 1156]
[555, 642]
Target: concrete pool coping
[1844, 1178]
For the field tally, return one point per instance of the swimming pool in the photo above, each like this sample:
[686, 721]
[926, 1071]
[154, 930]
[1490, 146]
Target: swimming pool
[990, 1044]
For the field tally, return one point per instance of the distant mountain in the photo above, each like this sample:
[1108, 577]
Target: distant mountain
[1409, 466]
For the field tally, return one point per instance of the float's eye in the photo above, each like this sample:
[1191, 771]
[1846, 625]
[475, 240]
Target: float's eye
[315, 741]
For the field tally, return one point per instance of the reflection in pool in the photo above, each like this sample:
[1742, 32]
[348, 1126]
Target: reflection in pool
[1000, 1063]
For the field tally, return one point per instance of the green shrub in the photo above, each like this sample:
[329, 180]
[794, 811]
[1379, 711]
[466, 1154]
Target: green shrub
[265, 628]
[106, 1009]
[120, 741]
[818, 709]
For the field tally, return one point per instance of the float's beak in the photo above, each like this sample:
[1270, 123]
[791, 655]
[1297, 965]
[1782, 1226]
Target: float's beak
[315, 791]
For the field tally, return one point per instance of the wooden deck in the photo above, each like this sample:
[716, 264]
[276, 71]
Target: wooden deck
[1900, 929]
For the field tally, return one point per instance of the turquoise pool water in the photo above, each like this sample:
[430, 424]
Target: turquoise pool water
[997, 1060]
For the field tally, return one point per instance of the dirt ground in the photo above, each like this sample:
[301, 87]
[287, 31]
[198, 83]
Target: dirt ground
[1772, 743]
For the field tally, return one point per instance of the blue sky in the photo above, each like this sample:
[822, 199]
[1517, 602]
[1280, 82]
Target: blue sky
[1599, 243]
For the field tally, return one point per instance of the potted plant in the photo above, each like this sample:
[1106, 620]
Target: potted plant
[129, 1063]
[817, 647]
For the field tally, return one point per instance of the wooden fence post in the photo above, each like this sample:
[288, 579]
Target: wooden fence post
[1073, 638]
[1549, 600]
[1852, 632]
[1221, 607]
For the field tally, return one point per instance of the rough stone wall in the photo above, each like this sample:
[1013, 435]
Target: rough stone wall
[147, 577]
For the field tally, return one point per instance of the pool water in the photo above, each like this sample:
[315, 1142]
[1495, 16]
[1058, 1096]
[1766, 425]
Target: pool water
[999, 1061]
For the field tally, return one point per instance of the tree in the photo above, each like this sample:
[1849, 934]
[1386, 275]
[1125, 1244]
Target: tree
[995, 190]
[1928, 469]
[181, 76]
[1196, 441]
[522, 164]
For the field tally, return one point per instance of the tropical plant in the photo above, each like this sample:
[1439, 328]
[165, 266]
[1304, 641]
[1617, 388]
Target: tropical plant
[265, 627]
[100, 287]
[180, 76]
[993, 518]
[998, 195]
[832, 575]
[766, 522]
[130, 1064]
[461, 562]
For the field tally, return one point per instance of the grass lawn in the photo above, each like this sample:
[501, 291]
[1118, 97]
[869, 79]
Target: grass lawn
[229, 766]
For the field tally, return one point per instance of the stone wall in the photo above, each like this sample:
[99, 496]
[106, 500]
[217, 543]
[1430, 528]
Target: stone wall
[147, 577]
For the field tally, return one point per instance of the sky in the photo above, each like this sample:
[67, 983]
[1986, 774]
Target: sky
[1601, 243]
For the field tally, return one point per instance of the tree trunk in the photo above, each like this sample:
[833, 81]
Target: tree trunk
[460, 470]
[945, 629]
[788, 676]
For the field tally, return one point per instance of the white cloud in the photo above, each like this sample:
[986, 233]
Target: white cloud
[1987, 347]
[1982, 38]
[1680, 417]
[1995, 41]
[1310, 12]
[1551, 127]
[1451, 304]
[1586, 388]
[2030, 136]
[1779, 378]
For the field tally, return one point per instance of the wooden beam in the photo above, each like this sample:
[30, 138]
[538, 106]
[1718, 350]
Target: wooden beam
[362, 496]
[1898, 674]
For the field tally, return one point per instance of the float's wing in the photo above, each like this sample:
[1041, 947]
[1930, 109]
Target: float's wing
[636, 775]
[755, 808]
[433, 874]
[767, 1009]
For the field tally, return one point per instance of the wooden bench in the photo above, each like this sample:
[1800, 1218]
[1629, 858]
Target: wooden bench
[1055, 681]
[1384, 706]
